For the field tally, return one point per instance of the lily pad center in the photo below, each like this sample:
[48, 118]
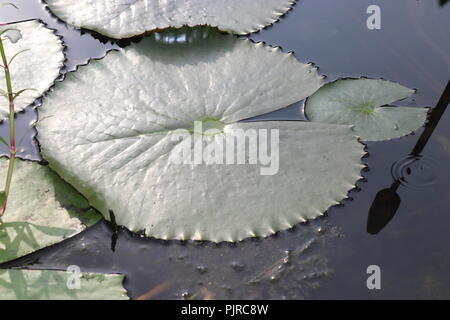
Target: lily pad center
[366, 108]
[208, 127]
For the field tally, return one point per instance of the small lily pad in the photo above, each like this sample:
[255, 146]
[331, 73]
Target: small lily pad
[60, 285]
[42, 210]
[37, 60]
[127, 18]
[364, 103]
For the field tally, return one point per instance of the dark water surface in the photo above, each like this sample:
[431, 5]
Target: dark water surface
[326, 258]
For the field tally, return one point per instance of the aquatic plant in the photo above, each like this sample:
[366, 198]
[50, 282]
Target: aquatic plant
[23, 75]
[124, 18]
[118, 152]
[60, 285]
[14, 36]
[364, 103]
[110, 129]
[44, 210]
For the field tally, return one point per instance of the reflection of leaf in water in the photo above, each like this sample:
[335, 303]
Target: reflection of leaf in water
[125, 18]
[37, 66]
[445, 143]
[52, 285]
[363, 103]
[118, 152]
[42, 210]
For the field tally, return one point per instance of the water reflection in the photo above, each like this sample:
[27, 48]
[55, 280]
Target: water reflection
[387, 201]
[183, 35]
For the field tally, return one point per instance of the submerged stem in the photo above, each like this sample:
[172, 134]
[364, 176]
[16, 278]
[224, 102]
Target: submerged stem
[12, 144]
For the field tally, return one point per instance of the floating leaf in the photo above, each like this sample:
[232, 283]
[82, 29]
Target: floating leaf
[362, 103]
[118, 152]
[42, 210]
[58, 285]
[37, 66]
[127, 18]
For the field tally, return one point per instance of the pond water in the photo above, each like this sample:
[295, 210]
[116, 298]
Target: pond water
[326, 258]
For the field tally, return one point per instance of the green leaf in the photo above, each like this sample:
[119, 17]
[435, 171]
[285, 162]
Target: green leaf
[37, 66]
[117, 153]
[363, 104]
[59, 285]
[42, 210]
[125, 18]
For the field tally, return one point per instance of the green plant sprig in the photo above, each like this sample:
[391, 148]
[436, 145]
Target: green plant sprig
[12, 144]
[11, 96]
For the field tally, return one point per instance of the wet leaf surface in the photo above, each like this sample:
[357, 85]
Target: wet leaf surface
[126, 135]
[37, 64]
[59, 285]
[42, 210]
[128, 18]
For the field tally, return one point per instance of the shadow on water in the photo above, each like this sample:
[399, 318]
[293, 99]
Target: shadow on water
[387, 201]
[328, 257]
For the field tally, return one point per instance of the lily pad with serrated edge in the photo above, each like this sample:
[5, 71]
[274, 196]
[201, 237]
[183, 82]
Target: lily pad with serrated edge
[128, 18]
[37, 66]
[363, 103]
[117, 152]
[42, 210]
[60, 285]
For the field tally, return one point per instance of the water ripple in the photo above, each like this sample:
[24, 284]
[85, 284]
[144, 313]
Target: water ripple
[415, 171]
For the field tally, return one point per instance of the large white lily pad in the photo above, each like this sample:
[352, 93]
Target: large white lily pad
[363, 103]
[114, 142]
[60, 285]
[127, 18]
[36, 67]
[42, 210]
